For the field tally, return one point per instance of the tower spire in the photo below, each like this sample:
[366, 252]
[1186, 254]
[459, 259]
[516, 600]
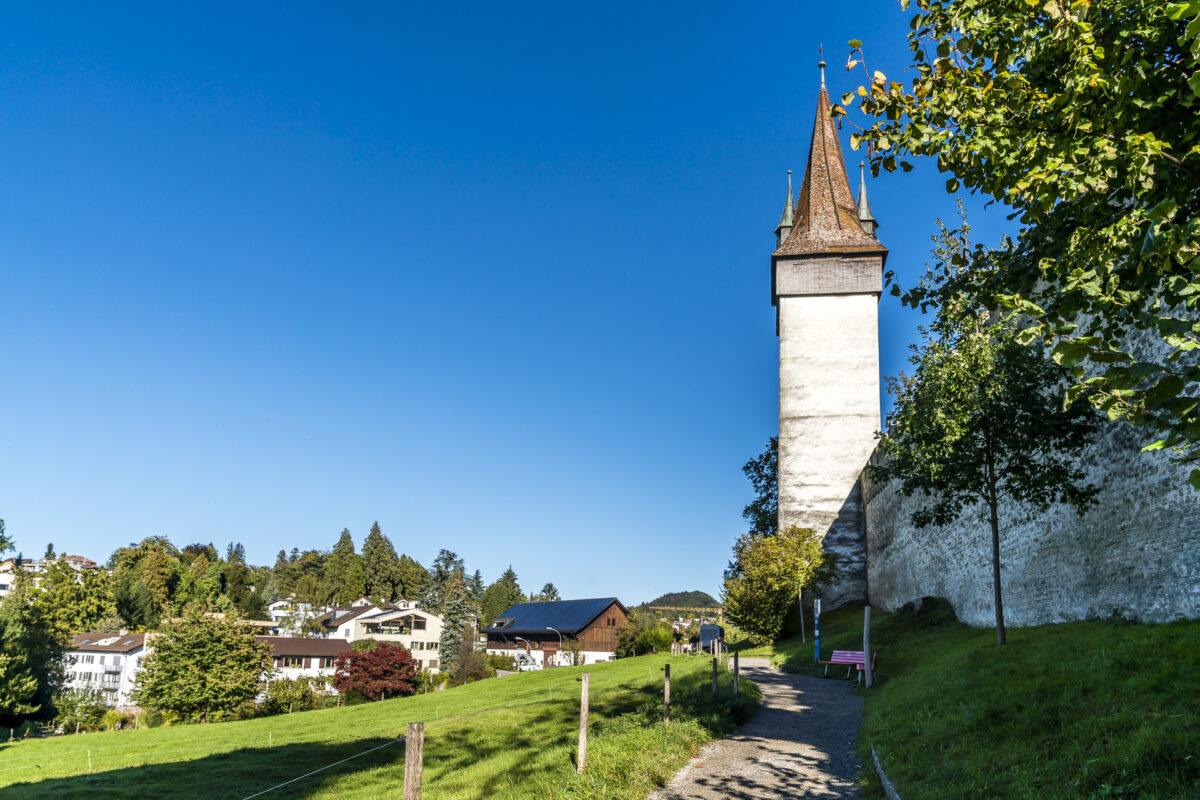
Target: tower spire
[826, 218]
[821, 64]
[787, 219]
[865, 217]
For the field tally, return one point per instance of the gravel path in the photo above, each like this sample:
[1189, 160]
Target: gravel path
[800, 744]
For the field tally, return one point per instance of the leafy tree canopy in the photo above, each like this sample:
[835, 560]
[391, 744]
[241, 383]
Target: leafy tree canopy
[1084, 118]
[386, 670]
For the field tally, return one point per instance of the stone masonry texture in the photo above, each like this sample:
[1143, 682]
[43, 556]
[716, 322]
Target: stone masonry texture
[1135, 555]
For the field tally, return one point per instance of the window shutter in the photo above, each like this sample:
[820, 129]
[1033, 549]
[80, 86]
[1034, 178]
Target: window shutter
[307, 663]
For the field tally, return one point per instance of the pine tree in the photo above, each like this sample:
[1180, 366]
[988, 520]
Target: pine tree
[30, 654]
[500, 596]
[344, 579]
[456, 615]
[447, 568]
[413, 579]
[548, 594]
[476, 587]
[156, 579]
[380, 565]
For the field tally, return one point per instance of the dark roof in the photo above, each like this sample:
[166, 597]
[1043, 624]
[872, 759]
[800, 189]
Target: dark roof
[826, 215]
[295, 646]
[122, 643]
[567, 616]
[348, 613]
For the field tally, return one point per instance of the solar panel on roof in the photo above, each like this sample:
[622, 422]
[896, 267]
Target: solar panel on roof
[84, 641]
[131, 641]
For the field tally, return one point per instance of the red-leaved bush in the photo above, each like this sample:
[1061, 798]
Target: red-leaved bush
[387, 670]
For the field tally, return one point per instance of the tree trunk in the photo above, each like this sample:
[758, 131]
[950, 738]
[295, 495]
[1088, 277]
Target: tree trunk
[1000, 638]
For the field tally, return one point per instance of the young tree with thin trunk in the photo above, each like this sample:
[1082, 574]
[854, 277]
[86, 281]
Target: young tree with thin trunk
[982, 421]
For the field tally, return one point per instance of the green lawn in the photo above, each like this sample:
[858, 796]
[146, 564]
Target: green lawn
[510, 737]
[1076, 710]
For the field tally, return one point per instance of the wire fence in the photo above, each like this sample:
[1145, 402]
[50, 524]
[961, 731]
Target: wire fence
[301, 732]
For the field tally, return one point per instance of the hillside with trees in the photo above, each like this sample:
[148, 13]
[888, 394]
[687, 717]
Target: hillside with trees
[684, 600]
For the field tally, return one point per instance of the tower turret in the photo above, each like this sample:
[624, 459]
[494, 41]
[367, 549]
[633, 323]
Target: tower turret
[865, 217]
[789, 213]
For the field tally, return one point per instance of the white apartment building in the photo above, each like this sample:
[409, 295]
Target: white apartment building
[105, 661]
[418, 631]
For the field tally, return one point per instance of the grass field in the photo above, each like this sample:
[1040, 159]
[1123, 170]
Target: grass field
[510, 737]
[1076, 710]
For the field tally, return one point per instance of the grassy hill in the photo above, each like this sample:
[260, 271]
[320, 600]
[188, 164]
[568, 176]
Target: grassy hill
[510, 737]
[1075, 710]
[685, 599]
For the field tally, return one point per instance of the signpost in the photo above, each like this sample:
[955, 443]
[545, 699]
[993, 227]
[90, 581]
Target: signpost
[817, 629]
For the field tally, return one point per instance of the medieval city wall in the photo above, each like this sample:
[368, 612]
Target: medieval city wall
[1136, 554]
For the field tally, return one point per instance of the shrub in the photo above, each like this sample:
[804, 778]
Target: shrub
[289, 695]
[114, 720]
[79, 710]
[386, 670]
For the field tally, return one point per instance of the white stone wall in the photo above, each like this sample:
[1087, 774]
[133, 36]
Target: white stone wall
[828, 417]
[1136, 554]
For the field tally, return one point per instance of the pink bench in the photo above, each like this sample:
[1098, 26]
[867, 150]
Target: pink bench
[850, 659]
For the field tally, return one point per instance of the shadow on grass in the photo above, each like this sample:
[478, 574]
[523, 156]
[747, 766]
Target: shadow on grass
[235, 774]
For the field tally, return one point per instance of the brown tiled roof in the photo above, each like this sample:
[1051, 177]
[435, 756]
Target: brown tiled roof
[125, 642]
[826, 217]
[294, 646]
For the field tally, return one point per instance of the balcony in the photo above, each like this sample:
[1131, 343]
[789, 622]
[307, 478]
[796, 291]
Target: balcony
[112, 669]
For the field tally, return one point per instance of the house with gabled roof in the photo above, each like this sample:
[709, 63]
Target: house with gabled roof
[107, 662]
[536, 634]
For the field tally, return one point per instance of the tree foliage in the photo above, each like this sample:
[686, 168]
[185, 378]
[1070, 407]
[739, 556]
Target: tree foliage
[643, 632]
[1084, 118]
[31, 655]
[386, 670]
[381, 566]
[500, 596]
[774, 571]
[202, 666]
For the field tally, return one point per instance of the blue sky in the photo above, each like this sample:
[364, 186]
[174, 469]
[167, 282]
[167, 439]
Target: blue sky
[495, 276]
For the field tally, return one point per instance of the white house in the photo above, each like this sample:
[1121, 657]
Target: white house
[295, 657]
[105, 661]
[35, 568]
[418, 631]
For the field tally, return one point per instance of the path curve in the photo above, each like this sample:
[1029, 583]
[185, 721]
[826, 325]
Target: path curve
[800, 744]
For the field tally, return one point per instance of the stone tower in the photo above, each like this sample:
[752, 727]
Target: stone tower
[826, 279]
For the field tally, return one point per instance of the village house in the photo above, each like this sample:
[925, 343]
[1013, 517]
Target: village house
[105, 661]
[295, 657]
[418, 631]
[537, 634]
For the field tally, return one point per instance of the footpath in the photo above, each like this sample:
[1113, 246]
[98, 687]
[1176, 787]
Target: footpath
[800, 744]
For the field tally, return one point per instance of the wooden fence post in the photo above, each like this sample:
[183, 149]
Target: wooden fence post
[667, 694]
[714, 676]
[414, 758]
[581, 757]
[736, 673]
[867, 676]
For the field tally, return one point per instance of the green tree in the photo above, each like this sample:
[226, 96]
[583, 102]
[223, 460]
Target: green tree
[476, 587]
[456, 617]
[774, 572]
[288, 695]
[73, 603]
[30, 655]
[202, 667]
[548, 594]
[156, 577]
[500, 596]
[763, 511]
[80, 710]
[5, 541]
[981, 421]
[447, 570]
[344, 579]
[413, 578]
[1084, 118]
[643, 632]
[380, 565]
[49, 554]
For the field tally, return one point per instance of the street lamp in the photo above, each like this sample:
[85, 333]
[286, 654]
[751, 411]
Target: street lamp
[560, 644]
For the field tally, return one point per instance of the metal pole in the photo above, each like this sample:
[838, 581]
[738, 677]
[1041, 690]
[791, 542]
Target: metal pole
[714, 676]
[868, 678]
[817, 629]
[736, 672]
